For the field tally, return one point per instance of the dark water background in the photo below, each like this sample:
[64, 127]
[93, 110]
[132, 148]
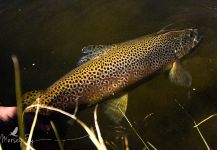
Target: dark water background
[47, 37]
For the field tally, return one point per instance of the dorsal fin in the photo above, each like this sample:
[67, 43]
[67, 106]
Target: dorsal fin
[93, 52]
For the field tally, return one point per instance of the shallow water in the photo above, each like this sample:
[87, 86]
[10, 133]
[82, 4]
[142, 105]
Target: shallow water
[47, 37]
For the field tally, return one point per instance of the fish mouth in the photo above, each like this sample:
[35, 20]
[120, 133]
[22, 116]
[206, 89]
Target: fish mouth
[193, 39]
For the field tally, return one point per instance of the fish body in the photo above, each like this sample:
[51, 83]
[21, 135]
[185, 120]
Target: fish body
[107, 70]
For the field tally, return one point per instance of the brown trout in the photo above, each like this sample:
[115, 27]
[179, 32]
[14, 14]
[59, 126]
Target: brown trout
[107, 70]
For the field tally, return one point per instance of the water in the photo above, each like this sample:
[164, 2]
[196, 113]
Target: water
[47, 37]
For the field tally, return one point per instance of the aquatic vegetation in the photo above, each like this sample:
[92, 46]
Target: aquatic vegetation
[32, 129]
[201, 135]
[201, 122]
[19, 99]
[151, 145]
[98, 142]
[204, 120]
[24, 142]
[98, 130]
[195, 125]
[134, 130]
[96, 138]
[57, 135]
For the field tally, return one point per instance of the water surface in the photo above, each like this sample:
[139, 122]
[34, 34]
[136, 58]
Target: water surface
[47, 37]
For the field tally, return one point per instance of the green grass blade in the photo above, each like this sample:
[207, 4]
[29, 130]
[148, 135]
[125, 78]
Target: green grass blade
[57, 135]
[19, 99]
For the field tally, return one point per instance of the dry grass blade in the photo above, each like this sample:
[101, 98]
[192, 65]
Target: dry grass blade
[208, 118]
[134, 130]
[182, 107]
[18, 98]
[152, 146]
[57, 135]
[103, 147]
[201, 135]
[31, 148]
[76, 107]
[32, 129]
[91, 134]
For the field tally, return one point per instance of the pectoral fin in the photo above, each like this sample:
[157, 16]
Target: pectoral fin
[179, 75]
[112, 108]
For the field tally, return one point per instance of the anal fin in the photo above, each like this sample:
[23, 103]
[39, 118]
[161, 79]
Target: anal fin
[113, 106]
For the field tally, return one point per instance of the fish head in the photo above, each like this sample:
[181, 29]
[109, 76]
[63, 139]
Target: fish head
[184, 41]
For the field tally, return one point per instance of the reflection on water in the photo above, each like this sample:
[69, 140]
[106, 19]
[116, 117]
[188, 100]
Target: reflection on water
[47, 37]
